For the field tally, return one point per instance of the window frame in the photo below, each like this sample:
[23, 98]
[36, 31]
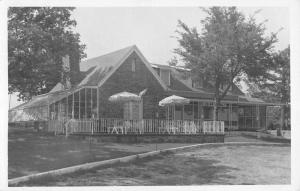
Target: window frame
[169, 76]
[133, 65]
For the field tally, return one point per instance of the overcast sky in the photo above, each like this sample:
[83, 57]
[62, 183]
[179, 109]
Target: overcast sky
[108, 29]
[151, 29]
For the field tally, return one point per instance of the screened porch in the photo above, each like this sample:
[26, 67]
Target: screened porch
[81, 104]
[235, 116]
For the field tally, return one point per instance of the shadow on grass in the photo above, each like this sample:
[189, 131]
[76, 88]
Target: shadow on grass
[163, 169]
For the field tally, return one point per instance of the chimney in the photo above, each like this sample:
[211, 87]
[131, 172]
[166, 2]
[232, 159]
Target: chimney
[66, 72]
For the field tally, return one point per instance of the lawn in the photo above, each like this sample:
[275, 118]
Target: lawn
[30, 152]
[206, 165]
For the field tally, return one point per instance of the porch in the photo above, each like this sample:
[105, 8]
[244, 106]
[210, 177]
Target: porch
[83, 106]
[115, 126]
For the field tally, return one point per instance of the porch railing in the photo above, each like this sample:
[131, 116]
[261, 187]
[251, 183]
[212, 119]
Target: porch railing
[145, 126]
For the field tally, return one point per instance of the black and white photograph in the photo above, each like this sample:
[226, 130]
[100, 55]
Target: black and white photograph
[147, 95]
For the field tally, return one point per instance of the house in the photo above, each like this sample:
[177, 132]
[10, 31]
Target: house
[128, 70]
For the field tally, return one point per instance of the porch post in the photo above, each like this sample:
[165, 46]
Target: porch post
[73, 105]
[168, 111]
[193, 113]
[229, 115]
[257, 116]
[198, 104]
[85, 105]
[174, 112]
[182, 112]
[266, 117]
[79, 92]
[49, 115]
[92, 112]
[54, 109]
[98, 103]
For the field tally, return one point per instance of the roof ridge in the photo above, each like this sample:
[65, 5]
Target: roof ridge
[109, 53]
[98, 66]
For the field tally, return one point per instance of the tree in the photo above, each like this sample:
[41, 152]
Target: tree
[38, 39]
[275, 85]
[228, 48]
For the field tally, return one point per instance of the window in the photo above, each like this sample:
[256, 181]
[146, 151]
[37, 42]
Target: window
[208, 113]
[188, 112]
[70, 105]
[133, 65]
[165, 76]
[178, 112]
[88, 103]
[76, 105]
[82, 109]
[157, 70]
[94, 102]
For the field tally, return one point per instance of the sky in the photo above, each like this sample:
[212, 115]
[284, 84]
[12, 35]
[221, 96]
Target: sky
[152, 29]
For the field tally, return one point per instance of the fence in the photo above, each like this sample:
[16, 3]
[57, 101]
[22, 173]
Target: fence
[145, 126]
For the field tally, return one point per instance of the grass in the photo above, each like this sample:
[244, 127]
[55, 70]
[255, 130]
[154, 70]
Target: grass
[30, 152]
[209, 165]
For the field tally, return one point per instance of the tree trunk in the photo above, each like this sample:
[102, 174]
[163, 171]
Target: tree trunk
[216, 109]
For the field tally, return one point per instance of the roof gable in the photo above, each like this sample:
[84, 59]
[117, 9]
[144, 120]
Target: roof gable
[106, 65]
[106, 60]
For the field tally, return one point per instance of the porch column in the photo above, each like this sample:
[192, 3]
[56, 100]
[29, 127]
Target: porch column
[257, 116]
[97, 103]
[48, 107]
[79, 101]
[73, 105]
[182, 112]
[193, 113]
[67, 107]
[168, 112]
[229, 115]
[54, 110]
[173, 112]
[85, 105]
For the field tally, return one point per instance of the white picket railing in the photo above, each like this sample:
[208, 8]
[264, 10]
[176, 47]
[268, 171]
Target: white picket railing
[145, 126]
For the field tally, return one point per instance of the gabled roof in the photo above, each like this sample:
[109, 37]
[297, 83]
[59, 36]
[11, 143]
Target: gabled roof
[104, 66]
[44, 99]
[178, 73]
[100, 66]
[106, 60]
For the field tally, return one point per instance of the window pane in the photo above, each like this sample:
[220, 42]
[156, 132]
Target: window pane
[133, 65]
[188, 112]
[195, 107]
[208, 113]
[165, 76]
[76, 105]
[52, 111]
[178, 112]
[248, 111]
[82, 104]
[88, 103]
[56, 109]
[70, 105]
[94, 102]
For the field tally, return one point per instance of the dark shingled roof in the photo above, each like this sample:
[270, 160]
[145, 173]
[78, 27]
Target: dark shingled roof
[198, 95]
[102, 66]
